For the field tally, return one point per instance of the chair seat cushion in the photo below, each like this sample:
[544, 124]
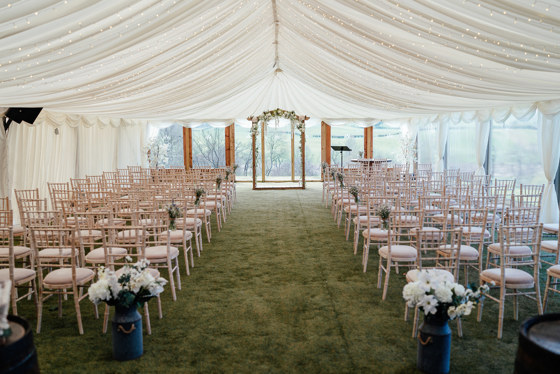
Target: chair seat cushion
[97, 255]
[441, 217]
[408, 219]
[474, 231]
[55, 252]
[376, 234]
[130, 234]
[20, 275]
[212, 204]
[89, 234]
[355, 208]
[18, 230]
[106, 221]
[465, 253]
[18, 251]
[435, 233]
[199, 212]
[554, 271]
[176, 235]
[159, 253]
[518, 250]
[515, 278]
[63, 276]
[550, 228]
[362, 220]
[546, 245]
[189, 221]
[412, 275]
[399, 252]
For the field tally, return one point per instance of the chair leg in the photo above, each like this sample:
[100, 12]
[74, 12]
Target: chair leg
[147, 318]
[545, 299]
[501, 312]
[78, 311]
[538, 297]
[177, 272]
[185, 252]
[356, 238]
[39, 311]
[386, 285]
[459, 328]
[415, 324]
[515, 306]
[105, 318]
[171, 280]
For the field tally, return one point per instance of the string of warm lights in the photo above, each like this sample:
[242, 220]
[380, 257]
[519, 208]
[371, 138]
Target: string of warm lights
[222, 58]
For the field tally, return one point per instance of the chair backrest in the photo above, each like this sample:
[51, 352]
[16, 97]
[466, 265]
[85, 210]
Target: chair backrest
[473, 222]
[7, 258]
[134, 245]
[6, 218]
[514, 236]
[439, 250]
[59, 247]
[4, 203]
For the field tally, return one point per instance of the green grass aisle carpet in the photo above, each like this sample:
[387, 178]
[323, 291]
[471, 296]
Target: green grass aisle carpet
[278, 290]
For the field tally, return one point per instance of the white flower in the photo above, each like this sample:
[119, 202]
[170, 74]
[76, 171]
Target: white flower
[429, 304]
[99, 291]
[413, 293]
[452, 312]
[459, 290]
[443, 293]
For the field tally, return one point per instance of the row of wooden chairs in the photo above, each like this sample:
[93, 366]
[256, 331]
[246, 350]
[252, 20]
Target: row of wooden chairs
[497, 225]
[92, 223]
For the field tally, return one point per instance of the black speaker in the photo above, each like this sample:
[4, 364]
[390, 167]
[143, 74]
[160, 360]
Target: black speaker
[28, 115]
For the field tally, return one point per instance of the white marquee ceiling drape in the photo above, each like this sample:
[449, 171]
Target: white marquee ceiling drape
[216, 59]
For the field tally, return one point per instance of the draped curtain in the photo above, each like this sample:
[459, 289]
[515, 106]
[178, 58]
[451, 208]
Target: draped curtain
[549, 139]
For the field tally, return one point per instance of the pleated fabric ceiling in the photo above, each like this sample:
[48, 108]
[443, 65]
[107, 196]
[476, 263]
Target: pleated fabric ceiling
[222, 59]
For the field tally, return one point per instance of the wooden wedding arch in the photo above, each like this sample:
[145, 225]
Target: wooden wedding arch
[259, 123]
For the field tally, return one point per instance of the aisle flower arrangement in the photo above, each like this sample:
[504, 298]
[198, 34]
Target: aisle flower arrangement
[132, 288]
[199, 192]
[434, 294]
[174, 212]
[354, 191]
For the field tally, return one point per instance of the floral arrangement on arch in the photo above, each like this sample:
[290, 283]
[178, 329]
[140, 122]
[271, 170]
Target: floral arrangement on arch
[278, 113]
[435, 295]
[132, 288]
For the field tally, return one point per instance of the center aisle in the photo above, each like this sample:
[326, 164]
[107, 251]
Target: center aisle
[280, 291]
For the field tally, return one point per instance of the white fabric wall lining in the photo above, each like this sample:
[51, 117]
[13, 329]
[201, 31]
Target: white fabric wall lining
[33, 155]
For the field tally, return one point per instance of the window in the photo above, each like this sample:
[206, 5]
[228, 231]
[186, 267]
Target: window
[166, 147]
[461, 153]
[387, 142]
[427, 144]
[515, 152]
[350, 136]
[208, 146]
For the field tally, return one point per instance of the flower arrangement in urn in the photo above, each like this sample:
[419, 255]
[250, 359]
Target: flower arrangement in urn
[435, 294]
[132, 288]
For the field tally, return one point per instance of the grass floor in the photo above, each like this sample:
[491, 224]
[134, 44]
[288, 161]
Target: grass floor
[277, 291]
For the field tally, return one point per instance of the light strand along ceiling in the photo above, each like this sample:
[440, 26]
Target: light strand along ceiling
[222, 59]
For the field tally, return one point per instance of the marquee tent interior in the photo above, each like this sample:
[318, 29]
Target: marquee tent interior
[103, 70]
